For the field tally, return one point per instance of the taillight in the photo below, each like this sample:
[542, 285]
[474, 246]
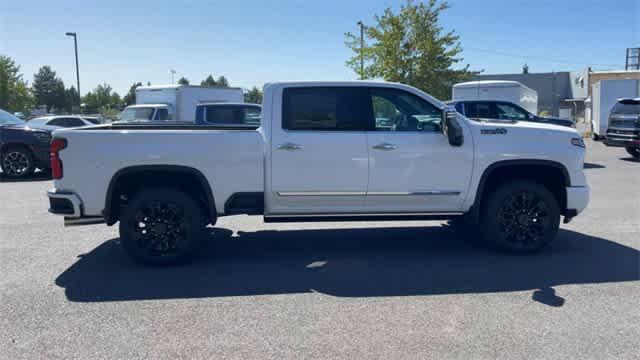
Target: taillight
[56, 163]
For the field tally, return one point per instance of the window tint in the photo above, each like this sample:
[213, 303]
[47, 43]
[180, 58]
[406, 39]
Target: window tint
[57, 122]
[459, 107]
[510, 112]
[628, 107]
[232, 115]
[398, 110]
[162, 114]
[74, 122]
[480, 110]
[326, 109]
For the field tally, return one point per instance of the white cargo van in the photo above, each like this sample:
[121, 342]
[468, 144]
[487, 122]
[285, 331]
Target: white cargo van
[604, 95]
[503, 90]
[176, 102]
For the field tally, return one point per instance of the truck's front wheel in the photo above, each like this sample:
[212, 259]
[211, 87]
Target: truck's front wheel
[521, 217]
[161, 226]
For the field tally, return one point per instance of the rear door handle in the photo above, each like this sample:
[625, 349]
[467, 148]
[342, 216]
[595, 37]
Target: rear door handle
[385, 147]
[289, 147]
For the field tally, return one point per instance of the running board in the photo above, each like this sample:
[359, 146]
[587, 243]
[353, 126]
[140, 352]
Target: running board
[359, 217]
[83, 221]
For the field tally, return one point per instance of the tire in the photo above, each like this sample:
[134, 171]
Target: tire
[520, 217]
[17, 163]
[161, 226]
[635, 152]
[595, 137]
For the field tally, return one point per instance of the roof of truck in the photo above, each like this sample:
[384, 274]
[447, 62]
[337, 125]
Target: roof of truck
[498, 83]
[178, 86]
[228, 103]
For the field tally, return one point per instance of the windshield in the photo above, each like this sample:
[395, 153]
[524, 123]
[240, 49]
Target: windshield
[8, 119]
[629, 107]
[136, 114]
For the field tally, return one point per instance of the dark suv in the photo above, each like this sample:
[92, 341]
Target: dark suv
[22, 149]
[503, 110]
[624, 126]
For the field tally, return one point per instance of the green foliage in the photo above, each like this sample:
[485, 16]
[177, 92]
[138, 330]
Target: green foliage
[101, 98]
[130, 98]
[48, 89]
[411, 47]
[254, 95]
[72, 101]
[15, 94]
[210, 81]
[183, 81]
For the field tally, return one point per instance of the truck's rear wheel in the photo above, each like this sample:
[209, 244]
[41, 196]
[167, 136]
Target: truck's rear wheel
[635, 152]
[161, 226]
[521, 217]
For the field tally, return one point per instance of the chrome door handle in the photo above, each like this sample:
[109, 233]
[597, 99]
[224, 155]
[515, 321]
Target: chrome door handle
[385, 147]
[289, 147]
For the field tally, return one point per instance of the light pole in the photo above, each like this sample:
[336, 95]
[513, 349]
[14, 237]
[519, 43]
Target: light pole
[361, 49]
[173, 73]
[75, 43]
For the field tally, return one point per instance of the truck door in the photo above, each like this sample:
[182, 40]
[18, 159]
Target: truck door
[319, 157]
[412, 166]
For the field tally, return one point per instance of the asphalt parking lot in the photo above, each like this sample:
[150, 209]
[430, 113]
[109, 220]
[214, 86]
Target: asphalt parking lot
[330, 290]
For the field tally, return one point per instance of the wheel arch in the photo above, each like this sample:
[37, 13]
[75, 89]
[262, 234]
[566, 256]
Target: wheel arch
[162, 175]
[533, 169]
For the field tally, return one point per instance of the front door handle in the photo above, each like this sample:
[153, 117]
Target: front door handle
[385, 147]
[289, 147]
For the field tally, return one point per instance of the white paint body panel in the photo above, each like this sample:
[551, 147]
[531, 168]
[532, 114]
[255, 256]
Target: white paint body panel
[332, 173]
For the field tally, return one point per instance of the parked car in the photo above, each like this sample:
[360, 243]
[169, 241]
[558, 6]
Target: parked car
[497, 90]
[624, 126]
[228, 114]
[22, 148]
[58, 121]
[504, 111]
[319, 155]
[604, 96]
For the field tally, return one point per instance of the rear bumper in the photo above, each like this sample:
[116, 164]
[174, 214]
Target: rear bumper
[577, 199]
[64, 203]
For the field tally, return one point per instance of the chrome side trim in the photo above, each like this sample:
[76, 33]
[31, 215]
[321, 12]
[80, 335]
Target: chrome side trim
[371, 193]
[321, 193]
[312, 215]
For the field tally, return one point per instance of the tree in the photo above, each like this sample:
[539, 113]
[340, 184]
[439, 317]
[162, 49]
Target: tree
[130, 98]
[101, 98]
[15, 94]
[48, 89]
[222, 82]
[183, 81]
[254, 95]
[209, 81]
[72, 102]
[411, 47]
[525, 69]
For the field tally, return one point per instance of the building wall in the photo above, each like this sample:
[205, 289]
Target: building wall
[596, 76]
[552, 88]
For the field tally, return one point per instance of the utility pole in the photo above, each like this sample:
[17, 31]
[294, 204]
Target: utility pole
[361, 49]
[75, 43]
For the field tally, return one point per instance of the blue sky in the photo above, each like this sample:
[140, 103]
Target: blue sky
[253, 42]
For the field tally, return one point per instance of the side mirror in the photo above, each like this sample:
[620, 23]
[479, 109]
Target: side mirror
[451, 128]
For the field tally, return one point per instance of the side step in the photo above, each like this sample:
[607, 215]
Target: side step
[89, 220]
[359, 217]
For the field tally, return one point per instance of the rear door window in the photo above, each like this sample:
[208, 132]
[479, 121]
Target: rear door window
[326, 109]
[480, 110]
[162, 115]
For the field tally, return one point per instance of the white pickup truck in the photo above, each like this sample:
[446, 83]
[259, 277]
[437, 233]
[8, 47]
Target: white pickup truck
[324, 151]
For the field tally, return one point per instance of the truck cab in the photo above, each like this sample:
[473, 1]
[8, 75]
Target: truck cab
[147, 112]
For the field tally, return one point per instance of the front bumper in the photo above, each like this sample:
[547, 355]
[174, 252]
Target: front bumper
[622, 142]
[577, 199]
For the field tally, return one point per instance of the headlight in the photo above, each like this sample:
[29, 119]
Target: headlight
[577, 142]
[42, 136]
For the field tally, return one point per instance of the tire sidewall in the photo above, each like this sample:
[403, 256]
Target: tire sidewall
[30, 169]
[635, 152]
[494, 204]
[193, 226]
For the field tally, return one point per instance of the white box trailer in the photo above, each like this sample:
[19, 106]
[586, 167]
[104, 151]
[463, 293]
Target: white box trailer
[176, 102]
[605, 94]
[500, 90]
